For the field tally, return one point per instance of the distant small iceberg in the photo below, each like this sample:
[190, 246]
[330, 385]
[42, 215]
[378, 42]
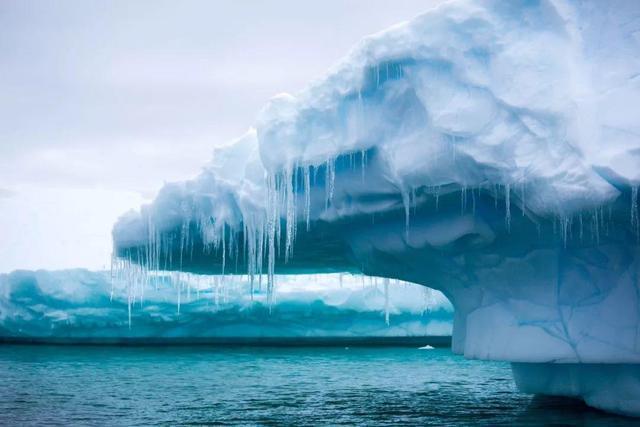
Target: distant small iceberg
[426, 347]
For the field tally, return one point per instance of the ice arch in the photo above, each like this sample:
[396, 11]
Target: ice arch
[487, 149]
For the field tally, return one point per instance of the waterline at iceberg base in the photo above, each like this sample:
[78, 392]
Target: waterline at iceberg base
[487, 149]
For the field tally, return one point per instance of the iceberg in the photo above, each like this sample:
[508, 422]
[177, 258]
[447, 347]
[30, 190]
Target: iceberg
[487, 149]
[82, 306]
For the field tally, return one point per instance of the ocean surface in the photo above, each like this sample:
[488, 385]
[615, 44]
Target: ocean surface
[203, 385]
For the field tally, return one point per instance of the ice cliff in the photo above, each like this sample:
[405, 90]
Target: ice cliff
[488, 149]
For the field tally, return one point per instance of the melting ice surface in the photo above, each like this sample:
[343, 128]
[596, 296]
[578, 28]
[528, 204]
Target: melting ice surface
[487, 149]
[89, 306]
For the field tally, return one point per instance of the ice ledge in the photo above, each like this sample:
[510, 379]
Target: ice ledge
[610, 387]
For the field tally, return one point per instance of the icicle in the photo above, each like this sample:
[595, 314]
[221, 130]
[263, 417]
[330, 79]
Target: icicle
[329, 182]
[406, 202]
[129, 280]
[183, 236]
[111, 273]
[427, 301]
[307, 196]
[224, 248]
[290, 212]
[507, 201]
[581, 226]
[236, 245]
[287, 201]
[473, 202]
[273, 221]
[564, 225]
[232, 244]
[386, 300]
[635, 218]
[129, 303]
[412, 200]
[179, 292]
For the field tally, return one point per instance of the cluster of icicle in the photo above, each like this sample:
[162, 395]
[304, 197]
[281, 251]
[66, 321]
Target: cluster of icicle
[134, 278]
[263, 233]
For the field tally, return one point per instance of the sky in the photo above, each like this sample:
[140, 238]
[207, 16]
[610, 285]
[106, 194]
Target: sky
[102, 102]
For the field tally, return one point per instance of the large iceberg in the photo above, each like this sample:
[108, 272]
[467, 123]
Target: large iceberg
[80, 306]
[488, 149]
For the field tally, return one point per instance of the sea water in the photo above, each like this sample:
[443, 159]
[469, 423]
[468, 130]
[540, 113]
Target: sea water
[203, 385]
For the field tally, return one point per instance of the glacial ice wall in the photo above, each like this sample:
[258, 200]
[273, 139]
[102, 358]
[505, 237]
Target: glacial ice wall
[487, 149]
[80, 305]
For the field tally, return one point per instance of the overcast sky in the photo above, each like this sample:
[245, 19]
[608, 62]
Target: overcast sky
[103, 101]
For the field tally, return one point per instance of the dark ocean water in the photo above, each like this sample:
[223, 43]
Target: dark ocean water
[93, 385]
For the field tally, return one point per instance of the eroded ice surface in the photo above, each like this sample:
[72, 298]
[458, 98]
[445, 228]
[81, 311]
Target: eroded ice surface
[79, 304]
[612, 387]
[488, 149]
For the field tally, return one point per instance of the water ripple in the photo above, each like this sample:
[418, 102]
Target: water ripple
[48, 385]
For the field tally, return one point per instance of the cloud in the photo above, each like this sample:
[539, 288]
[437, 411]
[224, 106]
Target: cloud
[103, 102]
[5, 193]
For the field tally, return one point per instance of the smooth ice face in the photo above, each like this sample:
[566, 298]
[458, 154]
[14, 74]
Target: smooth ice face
[488, 149]
[83, 305]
